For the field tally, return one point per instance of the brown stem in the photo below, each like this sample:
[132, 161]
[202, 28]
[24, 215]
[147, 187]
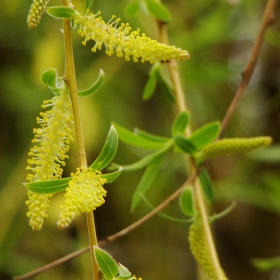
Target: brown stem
[267, 19]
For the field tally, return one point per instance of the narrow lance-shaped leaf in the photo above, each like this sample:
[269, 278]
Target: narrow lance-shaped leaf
[110, 177]
[97, 84]
[206, 184]
[132, 8]
[61, 12]
[158, 10]
[166, 87]
[48, 187]
[186, 201]
[108, 151]
[146, 182]
[205, 135]
[149, 88]
[135, 140]
[151, 137]
[184, 144]
[152, 81]
[180, 123]
[143, 7]
[266, 264]
[148, 159]
[88, 5]
[106, 263]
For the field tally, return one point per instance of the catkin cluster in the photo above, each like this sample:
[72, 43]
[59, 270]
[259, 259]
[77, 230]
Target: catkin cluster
[235, 145]
[120, 39]
[51, 144]
[200, 250]
[36, 11]
[84, 193]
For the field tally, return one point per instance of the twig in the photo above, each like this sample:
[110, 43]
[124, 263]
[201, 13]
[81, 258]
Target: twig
[110, 238]
[70, 78]
[267, 19]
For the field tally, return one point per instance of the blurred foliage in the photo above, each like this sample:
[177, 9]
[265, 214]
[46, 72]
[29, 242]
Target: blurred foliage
[219, 36]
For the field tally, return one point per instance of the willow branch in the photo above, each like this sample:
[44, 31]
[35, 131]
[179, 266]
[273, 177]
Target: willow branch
[267, 19]
[110, 238]
[70, 78]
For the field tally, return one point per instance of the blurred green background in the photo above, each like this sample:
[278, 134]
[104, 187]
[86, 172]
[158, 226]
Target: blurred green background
[219, 36]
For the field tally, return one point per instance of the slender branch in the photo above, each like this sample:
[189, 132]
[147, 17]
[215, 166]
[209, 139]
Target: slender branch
[110, 238]
[181, 105]
[267, 19]
[70, 78]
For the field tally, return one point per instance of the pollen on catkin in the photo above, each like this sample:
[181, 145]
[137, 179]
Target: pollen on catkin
[36, 11]
[51, 144]
[120, 39]
[84, 194]
[200, 250]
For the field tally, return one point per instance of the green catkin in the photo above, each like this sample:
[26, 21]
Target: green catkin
[234, 145]
[36, 11]
[118, 38]
[200, 250]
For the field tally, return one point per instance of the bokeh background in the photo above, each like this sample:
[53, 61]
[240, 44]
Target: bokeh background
[219, 35]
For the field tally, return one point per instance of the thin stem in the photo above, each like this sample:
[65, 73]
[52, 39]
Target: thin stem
[267, 19]
[70, 78]
[181, 105]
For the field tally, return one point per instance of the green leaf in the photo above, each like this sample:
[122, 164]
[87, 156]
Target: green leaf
[97, 84]
[184, 144]
[88, 5]
[108, 151]
[106, 263]
[269, 155]
[123, 271]
[132, 8]
[54, 83]
[166, 87]
[266, 264]
[110, 177]
[48, 77]
[186, 201]
[151, 137]
[146, 181]
[222, 214]
[148, 159]
[205, 135]
[206, 184]
[165, 216]
[180, 123]
[149, 88]
[158, 10]
[143, 7]
[61, 12]
[48, 187]
[135, 140]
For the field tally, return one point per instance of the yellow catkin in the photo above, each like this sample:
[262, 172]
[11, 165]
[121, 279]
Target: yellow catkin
[120, 39]
[234, 145]
[36, 11]
[200, 250]
[51, 144]
[84, 194]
